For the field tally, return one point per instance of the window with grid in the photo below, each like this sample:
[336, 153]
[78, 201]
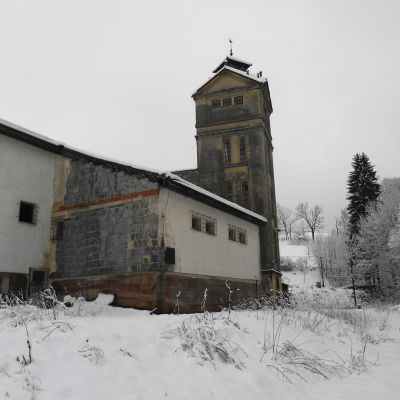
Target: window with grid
[28, 212]
[204, 223]
[242, 149]
[237, 234]
[227, 102]
[245, 194]
[238, 100]
[216, 103]
[227, 149]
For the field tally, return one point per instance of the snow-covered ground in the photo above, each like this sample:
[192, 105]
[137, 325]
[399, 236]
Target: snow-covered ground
[98, 352]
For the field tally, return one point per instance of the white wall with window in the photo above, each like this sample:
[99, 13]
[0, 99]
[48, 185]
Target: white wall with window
[26, 198]
[203, 243]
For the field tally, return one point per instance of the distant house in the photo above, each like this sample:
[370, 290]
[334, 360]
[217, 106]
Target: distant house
[87, 224]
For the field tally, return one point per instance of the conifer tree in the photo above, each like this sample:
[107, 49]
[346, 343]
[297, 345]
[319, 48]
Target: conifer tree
[363, 189]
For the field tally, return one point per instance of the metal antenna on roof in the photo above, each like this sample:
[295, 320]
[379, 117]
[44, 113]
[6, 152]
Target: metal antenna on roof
[230, 43]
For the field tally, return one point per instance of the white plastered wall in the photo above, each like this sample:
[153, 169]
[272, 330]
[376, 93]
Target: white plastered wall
[201, 253]
[26, 174]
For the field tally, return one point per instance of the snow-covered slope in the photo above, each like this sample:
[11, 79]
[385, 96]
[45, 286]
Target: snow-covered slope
[306, 273]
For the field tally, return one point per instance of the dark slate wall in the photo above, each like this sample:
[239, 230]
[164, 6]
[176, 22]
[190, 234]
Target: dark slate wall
[110, 238]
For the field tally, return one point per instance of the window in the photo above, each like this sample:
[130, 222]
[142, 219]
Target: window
[237, 234]
[204, 223]
[227, 102]
[245, 194]
[28, 212]
[242, 148]
[57, 228]
[238, 100]
[196, 221]
[227, 149]
[216, 103]
[229, 190]
[232, 233]
[170, 255]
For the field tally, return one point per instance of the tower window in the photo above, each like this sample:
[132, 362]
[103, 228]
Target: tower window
[227, 102]
[227, 150]
[238, 100]
[28, 212]
[242, 149]
[229, 190]
[245, 194]
[216, 103]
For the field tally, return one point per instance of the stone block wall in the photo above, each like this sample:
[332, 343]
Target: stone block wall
[110, 223]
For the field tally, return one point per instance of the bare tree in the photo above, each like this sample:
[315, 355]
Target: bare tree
[312, 216]
[286, 220]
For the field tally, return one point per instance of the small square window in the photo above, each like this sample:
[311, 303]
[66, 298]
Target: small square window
[238, 100]
[210, 227]
[27, 212]
[216, 103]
[227, 102]
[242, 237]
[196, 222]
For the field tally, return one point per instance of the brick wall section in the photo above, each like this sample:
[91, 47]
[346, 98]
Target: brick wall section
[111, 238]
[138, 290]
[155, 290]
[192, 289]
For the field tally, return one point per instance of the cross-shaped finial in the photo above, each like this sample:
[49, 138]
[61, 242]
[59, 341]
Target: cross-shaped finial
[230, 43]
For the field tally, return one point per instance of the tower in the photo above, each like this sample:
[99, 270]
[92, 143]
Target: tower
[234, 148]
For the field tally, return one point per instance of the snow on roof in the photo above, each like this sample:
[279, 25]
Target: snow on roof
[234, 59]
[220, 199]
[76, 150]
[236, 71]
[30, 133]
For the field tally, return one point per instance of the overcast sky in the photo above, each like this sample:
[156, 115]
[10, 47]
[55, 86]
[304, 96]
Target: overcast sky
[116, 78]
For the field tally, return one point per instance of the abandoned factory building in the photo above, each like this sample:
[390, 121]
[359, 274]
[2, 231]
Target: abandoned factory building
[86, 224]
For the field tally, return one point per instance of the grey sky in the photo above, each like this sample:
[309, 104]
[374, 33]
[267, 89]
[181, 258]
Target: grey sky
[116, 78]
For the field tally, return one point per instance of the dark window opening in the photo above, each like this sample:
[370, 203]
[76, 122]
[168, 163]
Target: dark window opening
[242, 237]
[216, 103]
[210, 227]
[242, 149]
[170, 255]
[56, 229]
[245, 194]
[238, 100]
[27, 212]
[232, 233]
[196, 222]
[227, 102]
[227, 149]
[229, 190]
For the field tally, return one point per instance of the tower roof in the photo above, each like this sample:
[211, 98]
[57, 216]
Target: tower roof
[233, 62]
